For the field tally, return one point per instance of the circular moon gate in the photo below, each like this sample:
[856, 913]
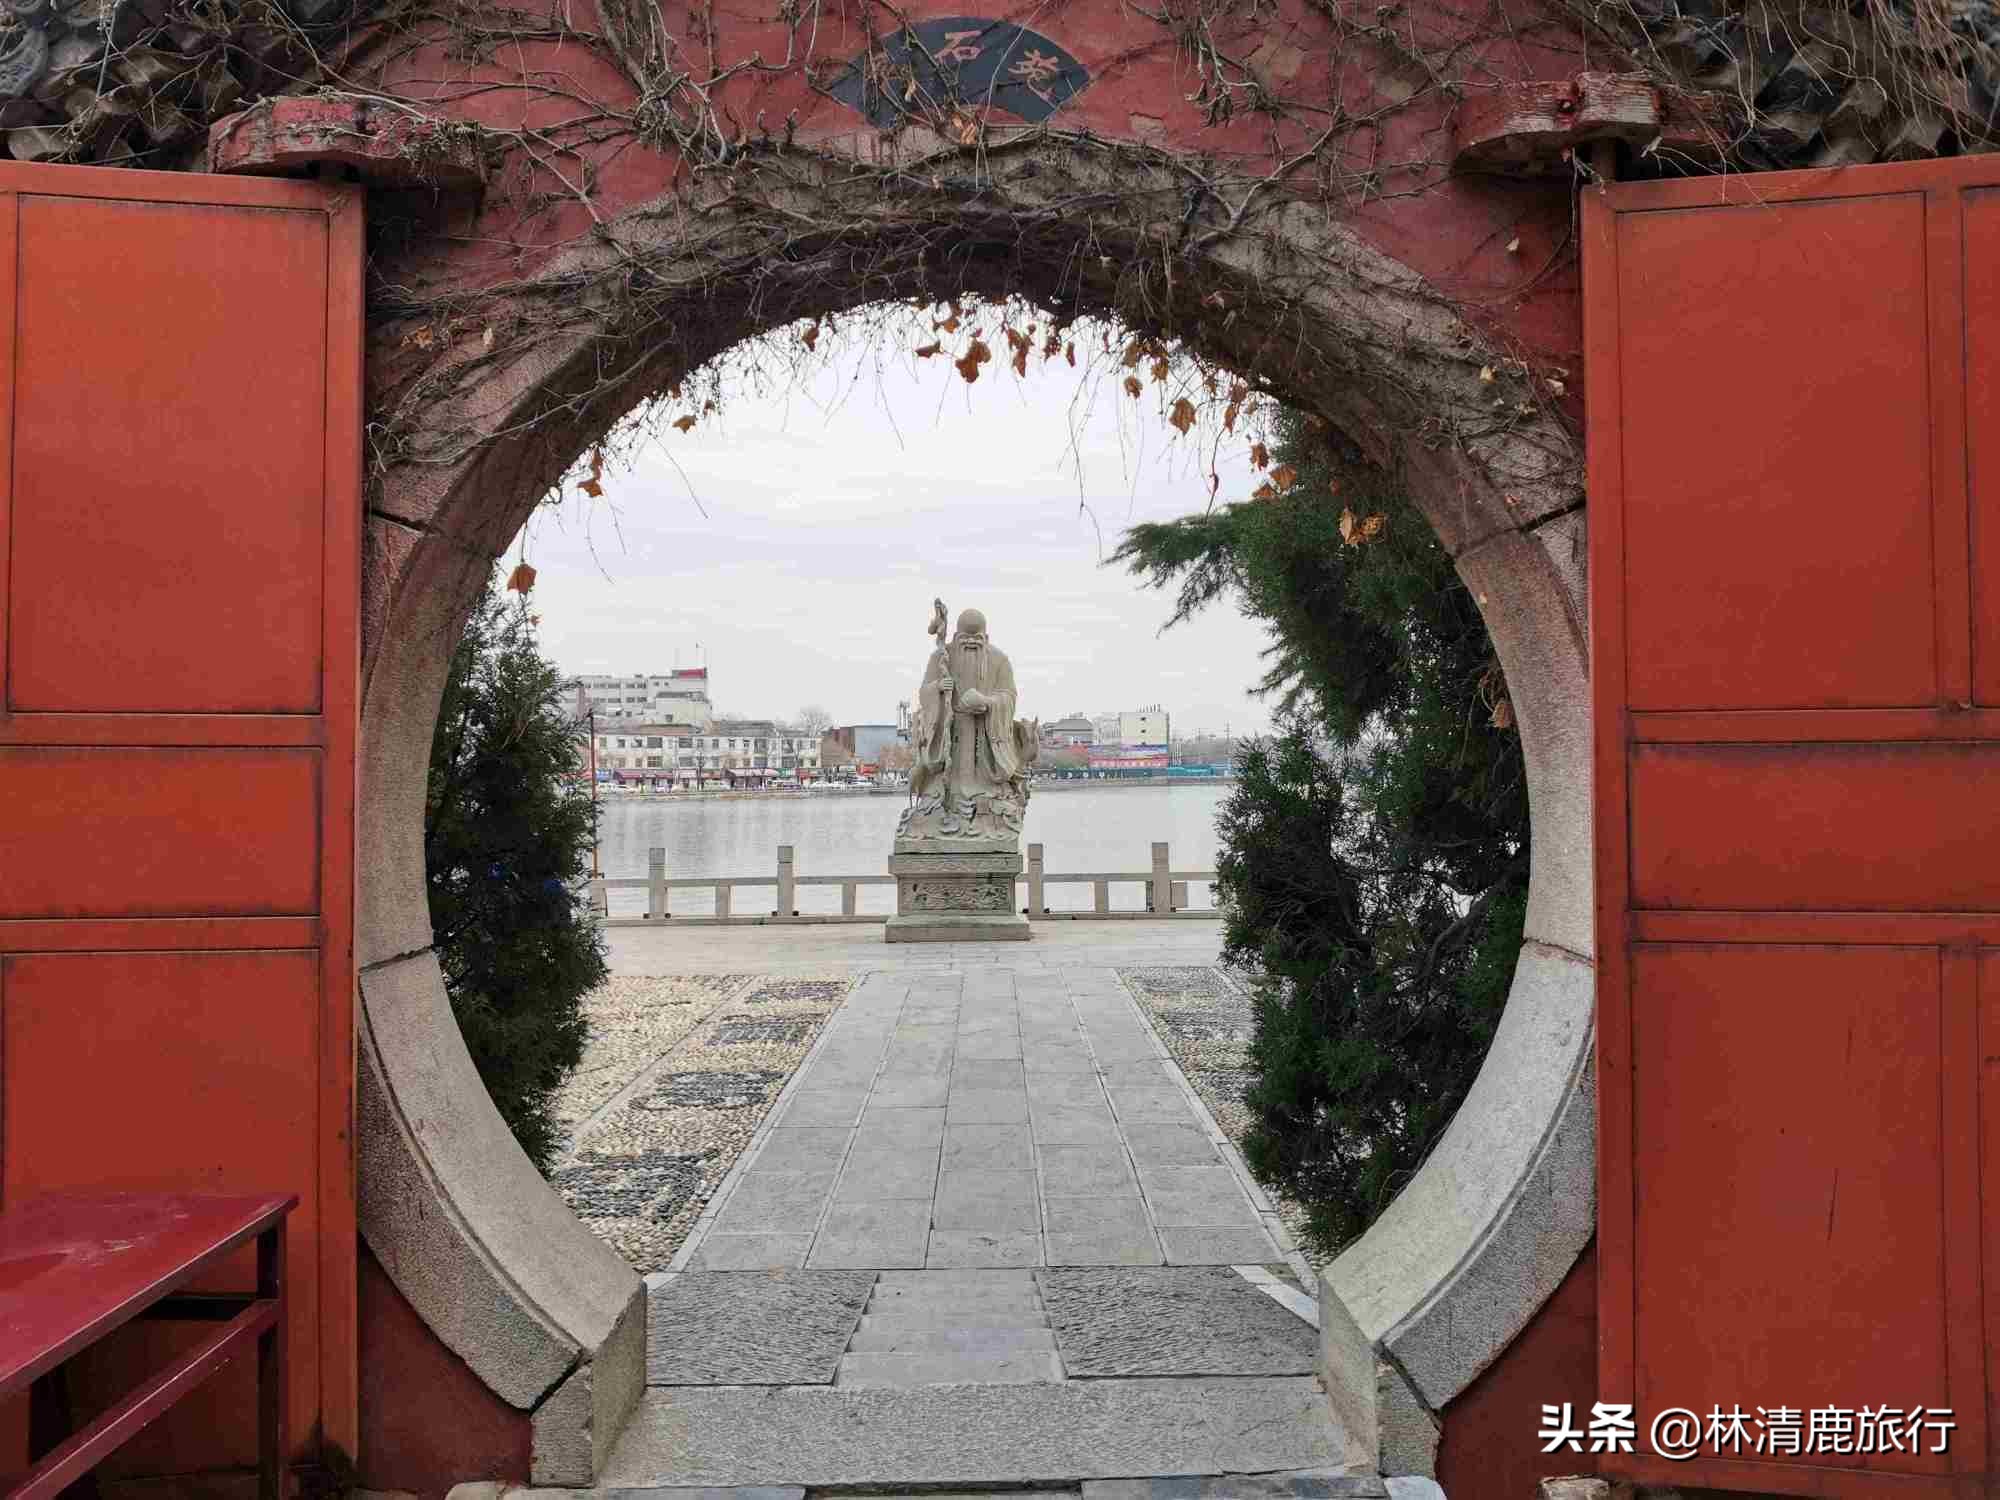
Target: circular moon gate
[1430, 320]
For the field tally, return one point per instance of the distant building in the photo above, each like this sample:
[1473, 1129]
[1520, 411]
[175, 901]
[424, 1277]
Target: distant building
[1128, 730]
[752, 752]
[1074, 730]
[1143, 726]
[639, 751]
[676, 697]
[730, 752]
[866, 742]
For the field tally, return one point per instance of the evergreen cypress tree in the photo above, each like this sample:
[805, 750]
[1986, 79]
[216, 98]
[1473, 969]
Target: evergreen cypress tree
[1375, 848]
[508, 829]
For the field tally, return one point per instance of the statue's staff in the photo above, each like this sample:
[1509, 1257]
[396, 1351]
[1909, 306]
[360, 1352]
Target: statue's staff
[940, 627]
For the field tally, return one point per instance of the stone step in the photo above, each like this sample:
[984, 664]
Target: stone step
[971, 1340]
[946, 1317]
[997, 1303]
[977, 1366]
[965, 1436]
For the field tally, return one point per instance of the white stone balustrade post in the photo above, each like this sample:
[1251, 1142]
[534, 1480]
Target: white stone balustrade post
[787, 885]
[656, 885]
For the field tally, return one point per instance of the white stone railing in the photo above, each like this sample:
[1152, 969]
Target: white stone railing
[1166, 892]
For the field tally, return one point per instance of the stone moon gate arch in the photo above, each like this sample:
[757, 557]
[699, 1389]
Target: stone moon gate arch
[577, 213]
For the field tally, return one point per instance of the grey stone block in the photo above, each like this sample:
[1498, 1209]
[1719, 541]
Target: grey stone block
[978, 1247]
[992, 1046]
[1196, 1196]
[1056, 1061]
[824, 1107]
[752, 1328]
[816, 1148]
[945, 1319]
[763, 1201]
[752, 1252]
[1218, 1246]
[1074, 1127]
[988, 1147]
[967, 927]
[974, 1434]
[890, 1129]
[1092, 1212]
[873, 1235]
[1076, 1171]
[939, 1367]
[905, 1090]
[1065, 1091]
[1162, 1103]
[1172, 1320]
[987, 1200]
[1117, 1245]
[961, 1340]
[901, 1172]
[986, 1073]
[987, 1107]
[1161, 1144]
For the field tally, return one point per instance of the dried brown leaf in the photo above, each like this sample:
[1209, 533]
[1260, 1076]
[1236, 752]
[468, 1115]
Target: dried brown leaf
[1132, 386]
[1182, 416]
[928, 350]
[968, 363]
[521, 579]
[1260, 456]
[1284, 476]
[682, 424]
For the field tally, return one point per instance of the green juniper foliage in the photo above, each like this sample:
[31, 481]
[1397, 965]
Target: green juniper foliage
[1374, 862]
[508, 828]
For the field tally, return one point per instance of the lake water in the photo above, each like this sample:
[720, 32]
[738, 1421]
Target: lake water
[1085, 829]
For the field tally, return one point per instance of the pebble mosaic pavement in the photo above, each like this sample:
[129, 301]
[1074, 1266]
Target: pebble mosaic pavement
[677, 1075]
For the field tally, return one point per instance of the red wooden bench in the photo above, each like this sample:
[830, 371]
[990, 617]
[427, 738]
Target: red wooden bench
[72, 1269]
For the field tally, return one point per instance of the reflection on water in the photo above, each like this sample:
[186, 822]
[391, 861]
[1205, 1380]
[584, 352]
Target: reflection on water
[1085, 830]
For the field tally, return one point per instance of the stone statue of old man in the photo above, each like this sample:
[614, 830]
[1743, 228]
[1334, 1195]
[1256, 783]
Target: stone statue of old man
[971, 755]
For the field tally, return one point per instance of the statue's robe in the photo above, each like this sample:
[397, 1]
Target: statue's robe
[961, 754]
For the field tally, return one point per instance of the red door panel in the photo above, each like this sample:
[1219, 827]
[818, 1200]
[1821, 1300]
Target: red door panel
[133, 832]
[193, 1041]
[1825, 827]
[1794, 466]
[1840, 1150]
[123, 601]
[179, 566]
[1777, 484]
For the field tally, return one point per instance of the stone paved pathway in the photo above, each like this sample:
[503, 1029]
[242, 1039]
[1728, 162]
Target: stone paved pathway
[987, 1235]
[987, 1118]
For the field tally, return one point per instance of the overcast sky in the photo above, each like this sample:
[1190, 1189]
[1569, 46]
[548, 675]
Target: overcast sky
[840, 504]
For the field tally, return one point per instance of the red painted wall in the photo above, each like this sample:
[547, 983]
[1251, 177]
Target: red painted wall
[427, 1422]
[1489, 1450]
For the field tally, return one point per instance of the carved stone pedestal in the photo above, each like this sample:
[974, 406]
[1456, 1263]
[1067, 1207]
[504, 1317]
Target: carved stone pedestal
[956, 891]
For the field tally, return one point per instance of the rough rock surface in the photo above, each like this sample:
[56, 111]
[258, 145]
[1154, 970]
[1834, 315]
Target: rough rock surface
[753, 1327]
[1172, 1320]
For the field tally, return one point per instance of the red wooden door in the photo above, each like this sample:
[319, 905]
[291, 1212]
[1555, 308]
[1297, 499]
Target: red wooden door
[1794, 418]
[179, 563]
